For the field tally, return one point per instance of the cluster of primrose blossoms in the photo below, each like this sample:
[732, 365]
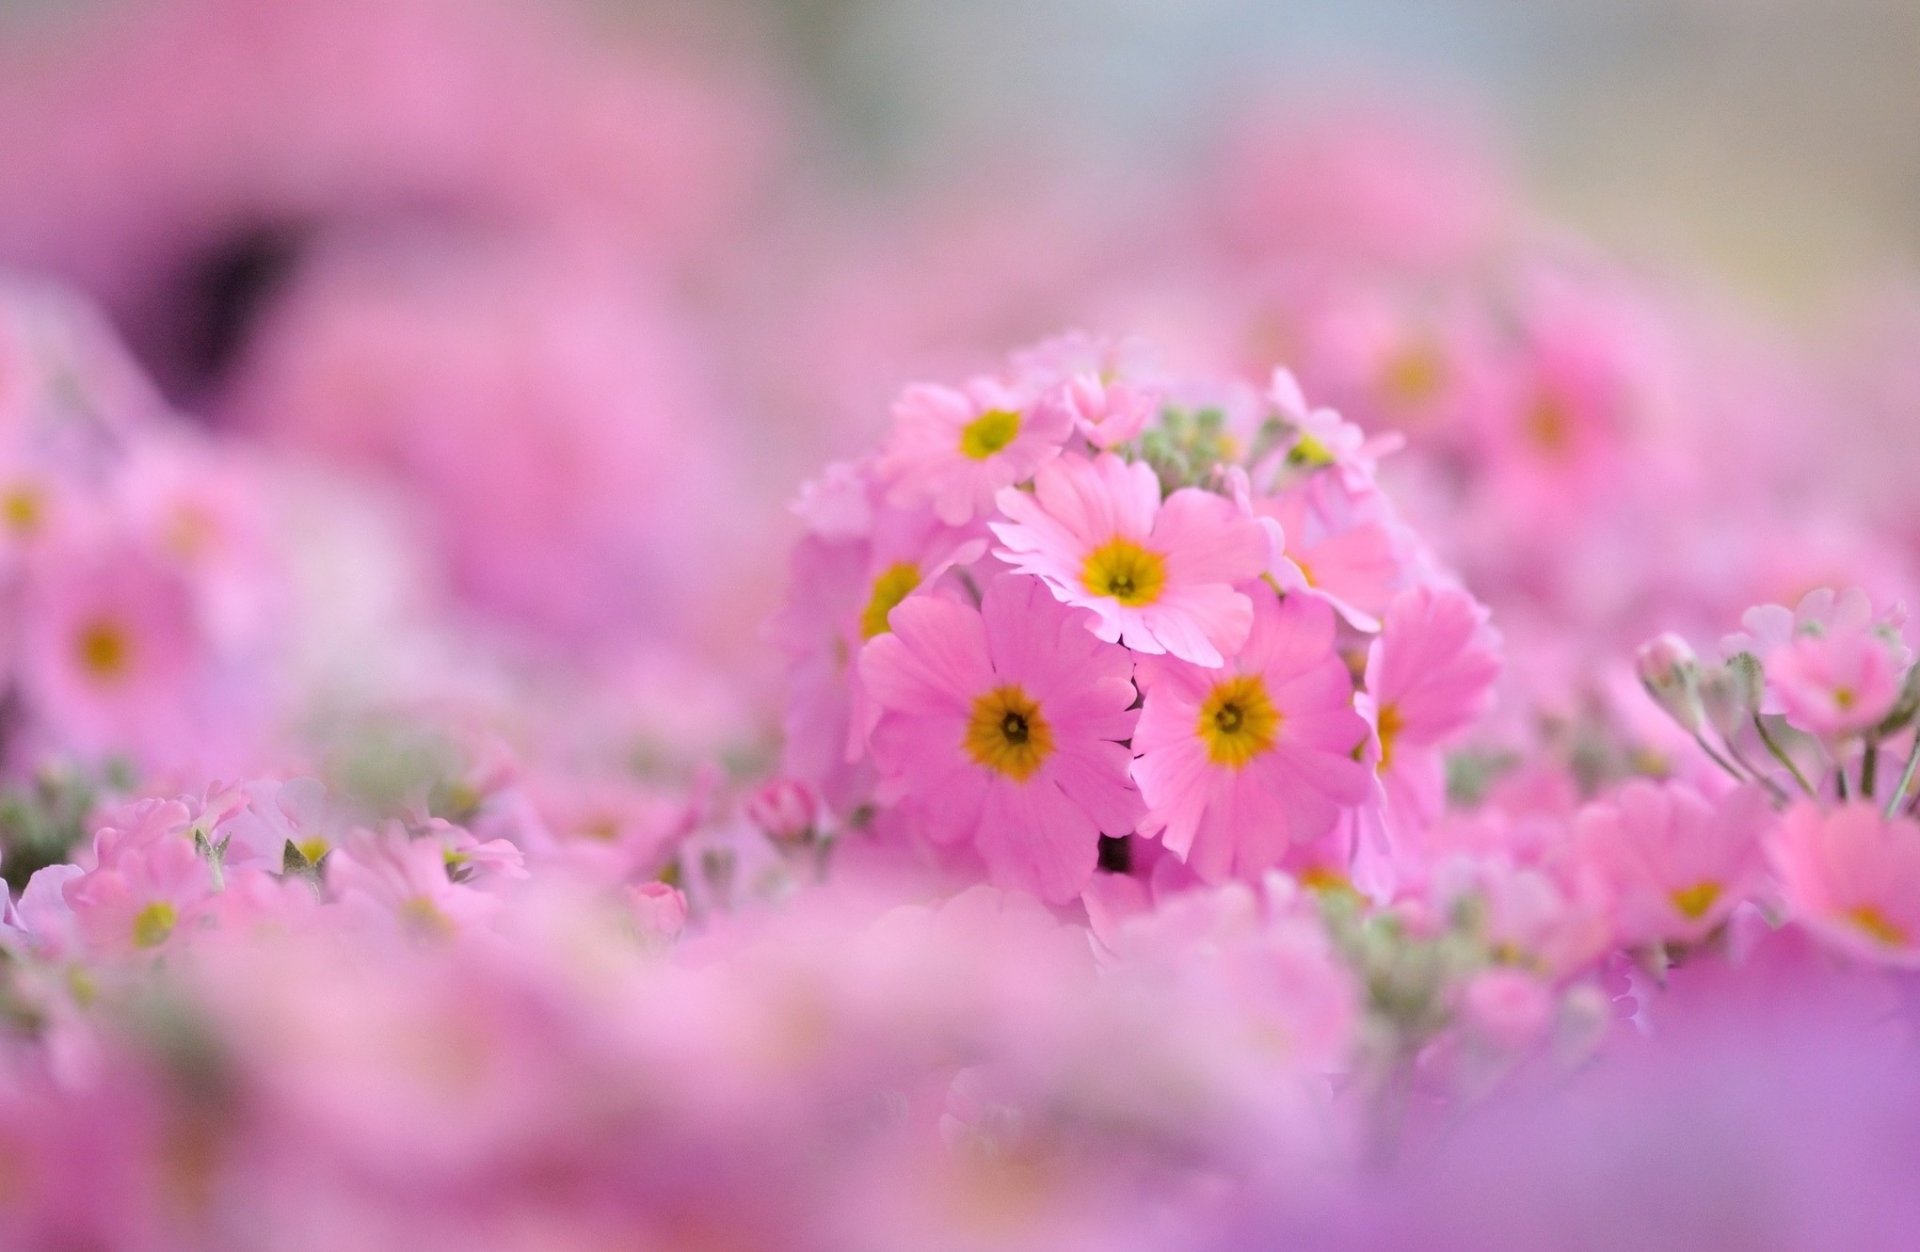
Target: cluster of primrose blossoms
[1815, 707]
[1082, 613]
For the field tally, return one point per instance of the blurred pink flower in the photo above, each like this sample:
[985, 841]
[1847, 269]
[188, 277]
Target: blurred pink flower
[1852, 876]
[953, 449]
[1837, 683]
[1675, 863]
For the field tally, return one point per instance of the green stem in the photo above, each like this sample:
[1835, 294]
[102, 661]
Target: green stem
[1906, 778]
[1774, 789]
[1719, 760]
[1781, 756]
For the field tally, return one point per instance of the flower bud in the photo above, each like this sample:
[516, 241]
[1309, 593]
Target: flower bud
[659, 911]
[1731, 694]
[785, 810]
[1670, 672]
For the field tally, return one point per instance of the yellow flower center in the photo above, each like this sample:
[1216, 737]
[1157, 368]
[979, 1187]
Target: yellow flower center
[21, 510]
[1414, 374]
[1310, 452]
[988, 433]
[313, 848]
[1123, 569]
[1878, 925]
[423, 917]
[1327, 881]
[153, 924]
[1392, 722]
[1007, 733]
[105, 650]
[1693, 902]
[894, 584]
[1844, 698]
[1549, 425]
[1238, 721]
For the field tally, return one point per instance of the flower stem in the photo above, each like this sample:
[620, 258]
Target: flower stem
[1780, 755]
[1906, 778]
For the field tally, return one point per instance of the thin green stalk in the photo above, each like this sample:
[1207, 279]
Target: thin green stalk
[1906, 778]
[1780, 755]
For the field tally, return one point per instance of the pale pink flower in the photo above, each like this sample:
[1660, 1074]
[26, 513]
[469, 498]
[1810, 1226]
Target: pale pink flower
[1323, 439]
[1675, 863]
[1771, 627]
[1238, 764]
[1002, 728]
[1835, 684]
[148, 897]
[1160, 577]
[1107, 412]
[404, 883]
[954, 448]
[113, 658]
[1341, 544]
[1852, 876]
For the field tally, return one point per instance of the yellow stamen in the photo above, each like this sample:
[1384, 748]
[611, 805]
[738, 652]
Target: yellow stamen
[988, 433]
[21, 510]
[1121, 568]
[1007, 733]
[1414, 374]
[1237, 721]
[1878, 925]
[1327, 881]
[1693, 902]
[190, 532]
[895, 583]
[105, 650]
[1391, 723]
[1549, 425]
[1844, 698]
[313, 848]
[153, 924]
[1310, 452]
[423, 917]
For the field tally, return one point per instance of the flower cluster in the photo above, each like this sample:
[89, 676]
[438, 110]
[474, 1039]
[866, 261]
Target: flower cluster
[1085, 604]
[143, 591]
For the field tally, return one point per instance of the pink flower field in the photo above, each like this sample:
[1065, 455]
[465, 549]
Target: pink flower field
[838, 627]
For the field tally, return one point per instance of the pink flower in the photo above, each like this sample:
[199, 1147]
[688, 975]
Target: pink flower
[1429, 675]
[1853, 877]
[1108, 412]
[112, 652]
[1835, 684]
[1675, 863]
[151, 894]
[1342, 545]
[1003, 728]
[1160, 577]
[1236, 765]
[405, 883]
[953, 449]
